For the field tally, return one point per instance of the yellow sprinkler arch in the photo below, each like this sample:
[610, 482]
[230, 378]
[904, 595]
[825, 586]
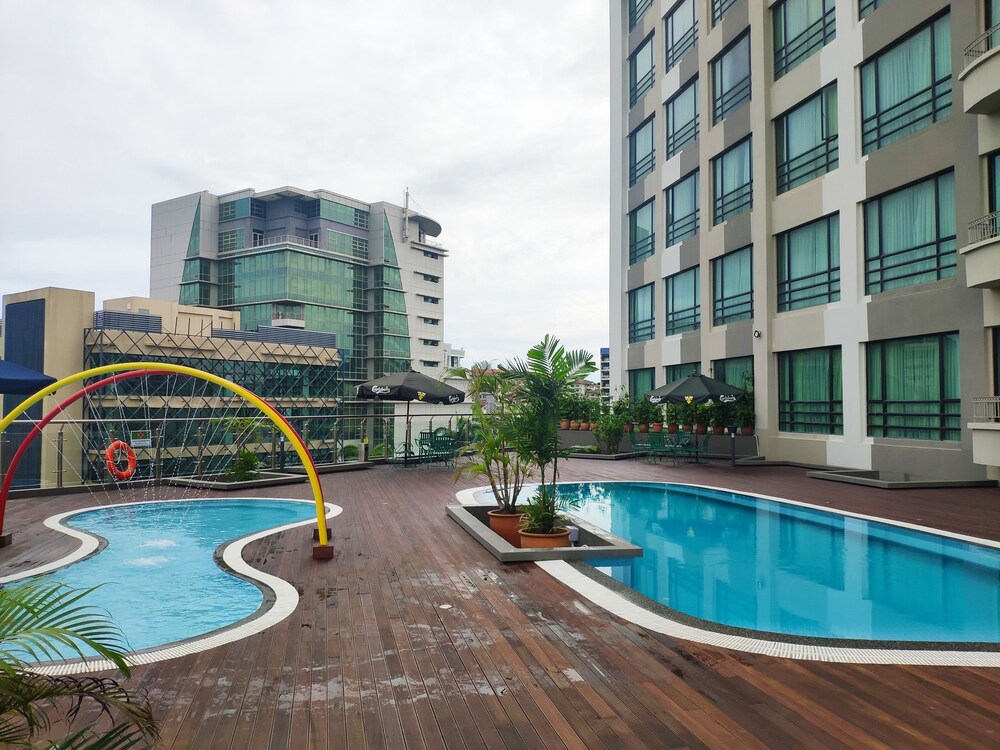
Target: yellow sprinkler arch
[278, 420]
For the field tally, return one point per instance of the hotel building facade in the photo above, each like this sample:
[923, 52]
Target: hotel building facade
[805, 197]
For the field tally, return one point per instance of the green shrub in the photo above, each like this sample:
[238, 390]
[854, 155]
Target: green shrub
[349, 452]
[245, 467]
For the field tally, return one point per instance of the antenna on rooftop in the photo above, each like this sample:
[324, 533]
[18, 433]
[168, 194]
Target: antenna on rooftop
[406, 215]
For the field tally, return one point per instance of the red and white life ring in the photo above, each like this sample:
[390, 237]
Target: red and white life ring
[111, 459]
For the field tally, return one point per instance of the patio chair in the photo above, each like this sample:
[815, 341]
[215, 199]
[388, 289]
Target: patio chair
[661, 446]
[442, 448]
[640, 447]
[694, 450]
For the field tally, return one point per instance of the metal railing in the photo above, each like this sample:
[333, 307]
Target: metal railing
[986, 408]
[986, 228]
[982, 44]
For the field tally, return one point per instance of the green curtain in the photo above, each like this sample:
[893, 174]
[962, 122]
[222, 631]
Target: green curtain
[732, 370]
[640, 382]
[640, 313]
[807, 256]
[733, 280]
[681, 112]
[811, 391]
[680, 22]
[793, 17]
[732, 172]
[641, 232]
[642, 63]
[682, 205]
[730, 71]
[682, 301]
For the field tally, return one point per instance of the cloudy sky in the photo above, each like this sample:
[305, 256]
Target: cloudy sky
[494, 114]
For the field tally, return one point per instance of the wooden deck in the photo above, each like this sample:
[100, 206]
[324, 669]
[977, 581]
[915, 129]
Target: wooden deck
[370, 659]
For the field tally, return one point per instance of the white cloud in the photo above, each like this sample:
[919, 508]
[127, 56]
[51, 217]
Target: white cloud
[495, 115]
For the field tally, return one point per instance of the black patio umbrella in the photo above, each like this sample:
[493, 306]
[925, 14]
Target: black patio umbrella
[410, 386]
[697, 388]
[18, 379]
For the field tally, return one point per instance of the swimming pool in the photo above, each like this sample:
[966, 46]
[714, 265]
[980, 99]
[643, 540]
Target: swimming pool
[158, 575]
[761, 565]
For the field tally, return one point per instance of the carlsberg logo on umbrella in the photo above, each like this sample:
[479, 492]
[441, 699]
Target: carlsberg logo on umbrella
[381, 390]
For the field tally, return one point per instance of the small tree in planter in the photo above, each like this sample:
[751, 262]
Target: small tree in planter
[609, 432]
[670, 418]
[622, 407]
[245, 467]
[646, 413]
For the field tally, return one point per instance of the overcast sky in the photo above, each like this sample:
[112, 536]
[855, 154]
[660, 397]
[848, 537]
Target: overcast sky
[494, 114]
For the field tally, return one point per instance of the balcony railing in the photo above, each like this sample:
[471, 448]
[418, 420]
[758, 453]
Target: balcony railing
[986, 408]
[986, 228]
[983, 44]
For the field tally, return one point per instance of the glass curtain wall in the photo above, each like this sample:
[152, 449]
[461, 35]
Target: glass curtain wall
[914, 388]
[800, 28]
[910, 235]
[682, 119]
[641, 71]
[682, 32]
[806, 140]
[641, 237]
[641, 325]
[683, 308]
[810, 391]
[907, 87]
[682, 209]
[641, 157]
[808, 260]
[732, 182]
[732, 286]
[731, 78]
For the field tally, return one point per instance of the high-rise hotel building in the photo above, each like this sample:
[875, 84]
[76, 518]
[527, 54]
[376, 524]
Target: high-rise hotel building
[805, 194]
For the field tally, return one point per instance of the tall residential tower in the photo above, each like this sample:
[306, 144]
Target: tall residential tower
[804, 196]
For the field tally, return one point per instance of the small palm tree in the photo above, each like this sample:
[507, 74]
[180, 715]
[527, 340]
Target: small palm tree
[45, 621]
[544, 379]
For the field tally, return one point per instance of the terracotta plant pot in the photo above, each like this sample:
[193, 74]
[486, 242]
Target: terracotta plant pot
[685, 428]
[746, 430]
[540, 541]
[700, 429]
[656, 427]
[584, 426]
[506, 525]
[644, 428]
[593, 426]
[564, 424]
[718, 430]
[574, 425]
[672, 429]
[628, 427]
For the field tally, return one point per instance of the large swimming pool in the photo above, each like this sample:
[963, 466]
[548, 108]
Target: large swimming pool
[754, 563]
[158, 576]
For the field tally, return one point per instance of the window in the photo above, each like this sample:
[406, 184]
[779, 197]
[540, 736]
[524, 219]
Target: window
[910, 235]
[907, 87]
[430, 342]
[809, 264]
[867, 6]
[993, 176]
[810, 392]
[800, 28]
[258, 209]
[433, 256]
[256, 238]
[732, 287]
[431, 300]
[731, 78]
[314, 239]
[682, 32]
[683, 309]
[227, 211]
[913, 388]
[806, 140]
[720, 8]
[676, 372]
[640, 233]
[640, 382]
[732, 182]
[312, 209]
[640, 152]
[231, 240]
[641, 326]
[735, 371]
[430, 363]
[682, 209]
[430, 278]
[430, 321]
[636, 9]
[640, 71]
[682, 119]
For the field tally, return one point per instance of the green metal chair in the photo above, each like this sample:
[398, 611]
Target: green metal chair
[640, 447]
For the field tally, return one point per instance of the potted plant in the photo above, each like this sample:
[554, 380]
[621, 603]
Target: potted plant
[548, 373]
[703, 417]
[743, 415]
[609, 432]
[622, 407]
[490, 454]
[686, 414]
[646, 413]
[670, 418]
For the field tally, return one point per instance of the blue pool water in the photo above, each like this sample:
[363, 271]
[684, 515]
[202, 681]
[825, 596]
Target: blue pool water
[753, 563]
[161, 583]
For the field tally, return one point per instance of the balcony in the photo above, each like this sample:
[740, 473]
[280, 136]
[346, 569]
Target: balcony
[986, 430]
[981, 77]
[982, 254]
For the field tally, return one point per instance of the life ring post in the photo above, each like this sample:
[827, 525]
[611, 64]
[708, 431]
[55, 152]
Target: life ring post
[111, 459]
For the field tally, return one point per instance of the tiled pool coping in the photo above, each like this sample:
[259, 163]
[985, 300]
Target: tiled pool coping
[633, 607]
[280, 597]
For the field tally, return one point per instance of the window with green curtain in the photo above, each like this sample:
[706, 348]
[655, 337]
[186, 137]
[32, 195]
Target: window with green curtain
[800, 28]
[676, 372]
[641, 324]
[640, 382]
[808, 259]
[641, 157]
[732, 286]
[993, 173]
[732, 182]
[913, 388]
[731, 78]
[720, 8]
[867, 6]
[682, 209]
[810, 391]
[683, 309]
[736, 371]
[682, 118]
[636, 9]
[907, 87]
[910, 235]
[806, 140]
[640, 71]
[641, 236]
[682, 31]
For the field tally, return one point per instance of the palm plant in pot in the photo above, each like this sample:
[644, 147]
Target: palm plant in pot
[491, 455]
[543, 379]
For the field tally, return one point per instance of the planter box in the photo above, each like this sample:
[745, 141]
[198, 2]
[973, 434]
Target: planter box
[339, 466]
[215, 481]
[594, 542]
[603, 456]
